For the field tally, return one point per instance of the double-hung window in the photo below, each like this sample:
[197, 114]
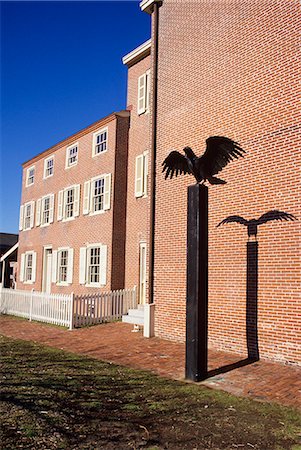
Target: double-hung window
[26, 216]
[45, 207]
[62, 266]
[100, 142]
[72, 155]
[143, 93]
[30, 176]
[93, 265]
[68, 203]
[49, 167]
[45, 210]
[28, 267]
[97, 194]
[141, 175]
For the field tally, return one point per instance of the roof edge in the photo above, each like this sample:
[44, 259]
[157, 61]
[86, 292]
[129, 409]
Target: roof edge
[138, 53]
[78, 134]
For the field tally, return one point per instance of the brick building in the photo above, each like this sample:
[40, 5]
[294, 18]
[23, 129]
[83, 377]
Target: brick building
[212, 68]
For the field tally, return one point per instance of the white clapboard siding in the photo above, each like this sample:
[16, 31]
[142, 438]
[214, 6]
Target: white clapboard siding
[38, 212]
[60, 205]
[32, 213]
[54, 266]
[86, 197]
[70, 266]
[50, 308]
[103, 264]
[22, 268]
[21, 220]
[141, 94]
[107, 191]
[139, 176]
[76, 200]
[82, 265]
[51, 208]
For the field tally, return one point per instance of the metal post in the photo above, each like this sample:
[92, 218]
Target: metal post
[197, 284]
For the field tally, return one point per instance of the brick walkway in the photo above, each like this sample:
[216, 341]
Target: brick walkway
[115, 343]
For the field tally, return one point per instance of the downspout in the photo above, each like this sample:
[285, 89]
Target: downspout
[153, 150]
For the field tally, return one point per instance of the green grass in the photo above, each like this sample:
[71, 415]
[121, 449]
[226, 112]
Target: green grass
[57, 400]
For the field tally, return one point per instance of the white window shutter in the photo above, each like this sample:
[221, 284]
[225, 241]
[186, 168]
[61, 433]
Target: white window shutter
[141, 94]
[38, 212]
[86, 201]
[82, 265]
[76, 200]
[145, 173]
[51, 208]
[107, 192]
[54, 266]
[139, 176]
[103, 264]
[22, 267]
[34, 267]
[147, 95]
[60, 205]
[21, 217]
[70, 266]
[31, 214]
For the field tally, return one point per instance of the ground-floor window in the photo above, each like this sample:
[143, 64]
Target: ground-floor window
[93, 265]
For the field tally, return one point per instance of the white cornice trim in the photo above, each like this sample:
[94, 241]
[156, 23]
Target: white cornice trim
[147, 5]
[138, 53]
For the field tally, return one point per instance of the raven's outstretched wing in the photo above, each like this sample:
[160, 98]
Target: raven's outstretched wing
[275, 215]
[237, 219]
[219, 152]
[175, 163]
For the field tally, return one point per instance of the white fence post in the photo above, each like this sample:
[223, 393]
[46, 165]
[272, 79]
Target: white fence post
[71, 311]
[30, 305]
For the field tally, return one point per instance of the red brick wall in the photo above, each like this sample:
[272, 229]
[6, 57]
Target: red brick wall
[84, 229]
[137, 208]
[231, 68]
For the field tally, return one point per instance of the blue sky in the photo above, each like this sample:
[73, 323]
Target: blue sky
[61, 70]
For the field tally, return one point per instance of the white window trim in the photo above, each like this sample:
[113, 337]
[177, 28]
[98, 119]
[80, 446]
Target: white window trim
[68, 166]
[74, 187]
[42, 210]
[93, 285]
[31, 214]
[144, 175]
[45, 167]
[95, 134]
[29, 252]
[27, 176]
[102, 211]
[146, 78]
[62, 283]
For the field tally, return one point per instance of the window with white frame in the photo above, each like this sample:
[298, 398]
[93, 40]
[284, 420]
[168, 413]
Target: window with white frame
[45, 210]
[143, 93]
[141, 175]
[71, 155]
[100, 142]
[68, 203]
[93, 265]
[49, 167]
[30, 176]
[28, 267]
[44, 213]
[26, 216]
[62, 266]
[97, 194]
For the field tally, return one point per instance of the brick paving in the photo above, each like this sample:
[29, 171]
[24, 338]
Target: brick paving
[116, 343]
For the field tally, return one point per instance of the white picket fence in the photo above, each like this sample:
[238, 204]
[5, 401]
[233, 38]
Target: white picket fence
[103, 307]
[68, 310]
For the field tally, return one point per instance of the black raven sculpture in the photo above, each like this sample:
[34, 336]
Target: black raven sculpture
[254, 223]
[219, 152]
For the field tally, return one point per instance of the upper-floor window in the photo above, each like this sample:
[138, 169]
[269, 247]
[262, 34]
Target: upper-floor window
[68, 203]
[141, 175]
[44, 213]
[30, 176]
[72, 155]
[143, 93]
[26, 216]
[100, 142]
[97, 194]
[48, 167]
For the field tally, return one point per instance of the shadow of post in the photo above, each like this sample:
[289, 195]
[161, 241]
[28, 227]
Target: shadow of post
[251, 306]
